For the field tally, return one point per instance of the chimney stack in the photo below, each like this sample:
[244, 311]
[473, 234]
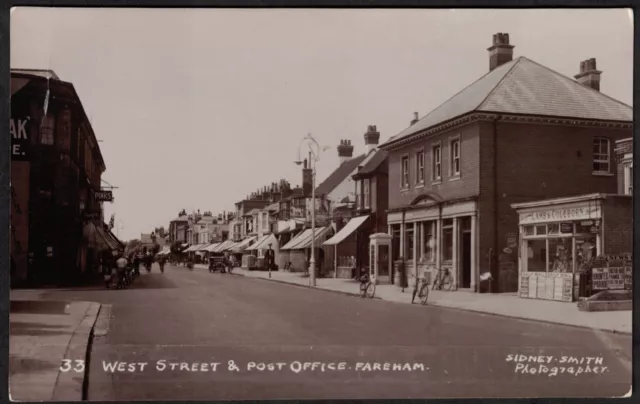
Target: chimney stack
[345, 151]
[501, 51]
[589, 76]
[415, 119]
[371, 138]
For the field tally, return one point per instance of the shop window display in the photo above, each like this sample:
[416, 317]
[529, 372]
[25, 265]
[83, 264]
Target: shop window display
[536, 255]
[560, 255]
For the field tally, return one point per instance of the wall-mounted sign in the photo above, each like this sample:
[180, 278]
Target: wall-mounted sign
[18, 128]
[613, 272]
[104, 196]
[547, 286]
[564, 214]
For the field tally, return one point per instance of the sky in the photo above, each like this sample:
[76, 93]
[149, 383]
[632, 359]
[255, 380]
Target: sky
[196, 108]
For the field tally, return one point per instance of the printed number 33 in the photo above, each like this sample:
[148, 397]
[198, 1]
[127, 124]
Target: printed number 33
[67, 365]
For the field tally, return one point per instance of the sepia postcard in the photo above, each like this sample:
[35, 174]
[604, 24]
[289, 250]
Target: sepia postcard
[260, 204]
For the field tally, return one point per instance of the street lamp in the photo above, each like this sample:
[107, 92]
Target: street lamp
[316, 157]
[269, 264]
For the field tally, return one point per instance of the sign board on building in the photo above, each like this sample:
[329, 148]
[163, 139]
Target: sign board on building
[613, 272]
[561, 214]
[547, 286]
[18, 128]
[104, 196]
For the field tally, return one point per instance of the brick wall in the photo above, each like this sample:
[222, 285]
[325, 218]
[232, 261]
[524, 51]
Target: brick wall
[19, 235]
[468, 184]
[540, 162]
[617, 212]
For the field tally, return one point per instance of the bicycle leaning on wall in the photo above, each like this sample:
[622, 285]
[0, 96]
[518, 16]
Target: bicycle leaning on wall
[443, 281]
[367, 288]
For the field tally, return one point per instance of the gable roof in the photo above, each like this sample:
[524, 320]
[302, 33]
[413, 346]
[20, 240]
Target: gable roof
[523, 86]
[339, 175]
[372, 162]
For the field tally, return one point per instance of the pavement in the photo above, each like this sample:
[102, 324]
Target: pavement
[48, 346]
[503, 304]
[193, 335]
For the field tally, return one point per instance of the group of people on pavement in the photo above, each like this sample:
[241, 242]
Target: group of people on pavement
[116, 262]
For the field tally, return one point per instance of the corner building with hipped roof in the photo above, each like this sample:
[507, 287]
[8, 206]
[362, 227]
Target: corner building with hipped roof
[520, 133]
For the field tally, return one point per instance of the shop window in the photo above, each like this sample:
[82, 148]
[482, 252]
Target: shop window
[628, 179]
[429, 242]
[560, 255]
[455, 158]
[420, 168]
[395, 247]
[409, 243]
[541, 230]
[46, 130]
[405, 172]
[366, 194]
[447, 240]
[585, 251]
[437, 163]
[553, 228]
[536, 255]
[529, 231]
[601, 155]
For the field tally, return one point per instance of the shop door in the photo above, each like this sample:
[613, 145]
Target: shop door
[466, 260]
[384, 272]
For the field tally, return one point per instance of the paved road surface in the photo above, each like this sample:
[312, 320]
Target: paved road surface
[362, 348]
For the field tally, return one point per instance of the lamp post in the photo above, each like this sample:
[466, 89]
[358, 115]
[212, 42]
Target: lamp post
[315, 154]
[269, 263]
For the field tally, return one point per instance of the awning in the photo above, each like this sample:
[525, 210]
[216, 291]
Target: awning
[106, 243]
[244, 244]
[193, 248]
[185, 245]
[297, 239]
[347, 230]
[263, 243]
[223, 246]
[211, 247]
[303, 240]
[257, 243]
[321, 232]
[203, 247]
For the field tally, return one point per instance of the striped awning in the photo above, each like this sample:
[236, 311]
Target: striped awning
[243, 245]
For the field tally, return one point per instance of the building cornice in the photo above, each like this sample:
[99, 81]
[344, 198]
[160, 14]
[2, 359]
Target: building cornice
[511, 118]
[407, 208]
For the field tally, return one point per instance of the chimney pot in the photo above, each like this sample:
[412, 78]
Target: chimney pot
[589, 76]
[501, 51]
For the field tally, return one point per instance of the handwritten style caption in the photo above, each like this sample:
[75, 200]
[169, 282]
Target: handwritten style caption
[551, 366]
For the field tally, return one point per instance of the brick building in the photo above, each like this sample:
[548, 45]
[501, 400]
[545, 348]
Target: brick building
[57, 222]
[522, 132]
[371, 191]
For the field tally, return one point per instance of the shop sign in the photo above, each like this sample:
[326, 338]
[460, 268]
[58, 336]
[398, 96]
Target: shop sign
[613, 272]
[18, 128]
[566, 228]
[557, 215]
[546, 286]
[104, 196]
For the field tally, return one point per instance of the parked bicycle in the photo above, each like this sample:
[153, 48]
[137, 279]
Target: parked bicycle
[443, 281]
[421, 289]
[367, 288]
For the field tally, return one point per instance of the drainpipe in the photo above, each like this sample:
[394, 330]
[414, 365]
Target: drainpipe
[493, 253]
[403, 275]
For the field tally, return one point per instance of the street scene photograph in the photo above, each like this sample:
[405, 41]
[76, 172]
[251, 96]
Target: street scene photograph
[299, 204]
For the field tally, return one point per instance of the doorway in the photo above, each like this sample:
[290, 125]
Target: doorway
[465, 253]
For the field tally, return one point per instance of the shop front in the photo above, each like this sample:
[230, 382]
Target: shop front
[430, 234]
[560, 239]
